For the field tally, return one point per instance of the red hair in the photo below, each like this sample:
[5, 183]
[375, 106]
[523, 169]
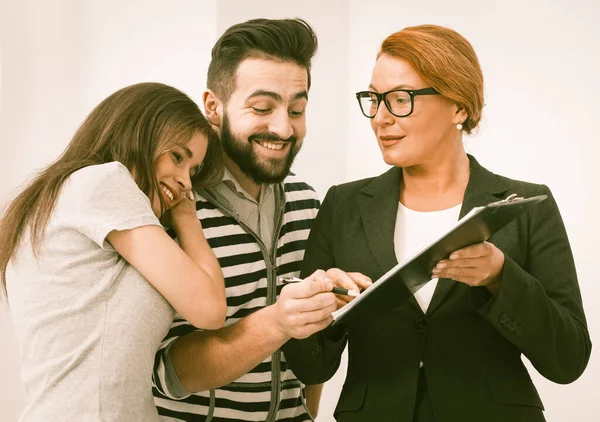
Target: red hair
[446, 61]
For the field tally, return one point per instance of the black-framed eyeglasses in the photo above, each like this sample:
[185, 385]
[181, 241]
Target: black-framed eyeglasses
[399, 102]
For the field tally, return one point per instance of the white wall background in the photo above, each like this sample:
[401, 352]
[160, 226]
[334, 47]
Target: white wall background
[540, 60]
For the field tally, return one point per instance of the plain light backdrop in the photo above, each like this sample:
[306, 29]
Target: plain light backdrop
[540, 60]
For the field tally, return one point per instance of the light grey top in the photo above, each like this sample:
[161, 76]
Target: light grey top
[88, 324]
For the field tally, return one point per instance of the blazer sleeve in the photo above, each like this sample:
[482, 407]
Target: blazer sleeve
[316, 359]
[539, 307]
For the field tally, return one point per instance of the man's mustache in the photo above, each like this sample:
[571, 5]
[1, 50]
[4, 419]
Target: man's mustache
[270, 137]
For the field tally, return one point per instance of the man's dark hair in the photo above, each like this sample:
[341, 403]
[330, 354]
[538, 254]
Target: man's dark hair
[286, 40]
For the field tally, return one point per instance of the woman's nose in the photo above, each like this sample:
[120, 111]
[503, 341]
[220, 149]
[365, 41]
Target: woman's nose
[383, 117]
[184, 182]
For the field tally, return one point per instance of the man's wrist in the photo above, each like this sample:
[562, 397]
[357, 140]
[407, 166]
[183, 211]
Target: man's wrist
[271, 318]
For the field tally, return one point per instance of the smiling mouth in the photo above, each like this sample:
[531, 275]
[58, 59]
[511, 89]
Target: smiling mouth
[272, 145]
[168, 192]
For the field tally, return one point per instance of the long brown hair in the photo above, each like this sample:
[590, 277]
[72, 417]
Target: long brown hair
[133, 126]
[446, 61]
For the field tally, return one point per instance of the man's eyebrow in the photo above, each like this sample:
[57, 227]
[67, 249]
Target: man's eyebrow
[265, 93]
[276, 96]
[188, 152]
[299, 95]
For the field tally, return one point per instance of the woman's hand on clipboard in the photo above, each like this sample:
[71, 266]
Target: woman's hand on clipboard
[477, 265]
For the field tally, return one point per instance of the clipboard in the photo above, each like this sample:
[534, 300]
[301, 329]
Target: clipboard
[476, 226]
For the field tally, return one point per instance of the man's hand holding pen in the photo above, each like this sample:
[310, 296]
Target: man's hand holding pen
[346, 287]
[354, 283]
[304, 307]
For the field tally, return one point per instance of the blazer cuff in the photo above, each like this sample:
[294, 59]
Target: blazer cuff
[315, 359]
[500, 309]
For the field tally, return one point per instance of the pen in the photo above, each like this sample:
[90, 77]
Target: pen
[336, 290]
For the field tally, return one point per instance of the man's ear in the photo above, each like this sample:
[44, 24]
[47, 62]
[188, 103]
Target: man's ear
[214, 108]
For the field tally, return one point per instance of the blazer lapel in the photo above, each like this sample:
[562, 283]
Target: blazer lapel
[483, 187]
[378, 205]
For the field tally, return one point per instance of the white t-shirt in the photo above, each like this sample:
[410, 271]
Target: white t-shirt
[414, 230]
[88, 324]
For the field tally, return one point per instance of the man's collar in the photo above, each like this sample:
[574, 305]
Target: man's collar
[230, 180]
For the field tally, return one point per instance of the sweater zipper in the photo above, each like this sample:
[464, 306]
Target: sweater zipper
[272, 291]
[271, 269]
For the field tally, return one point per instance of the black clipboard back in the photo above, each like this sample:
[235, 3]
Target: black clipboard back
[476, 226]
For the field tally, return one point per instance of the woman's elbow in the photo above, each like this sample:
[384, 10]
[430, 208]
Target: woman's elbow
[565, 375]
[211, 318]
[573, 371]
[218, 317]
[208, 311]
[571, 366]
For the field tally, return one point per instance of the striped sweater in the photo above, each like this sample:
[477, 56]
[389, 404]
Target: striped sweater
[271, 391]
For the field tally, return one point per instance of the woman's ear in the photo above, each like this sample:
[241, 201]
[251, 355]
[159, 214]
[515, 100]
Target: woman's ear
[214, 109]
[460, 116]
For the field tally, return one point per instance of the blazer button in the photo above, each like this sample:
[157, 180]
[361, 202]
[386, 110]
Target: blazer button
[421, 325]
[512, 326]
[503, 318]
[519, 331]
[316, 351]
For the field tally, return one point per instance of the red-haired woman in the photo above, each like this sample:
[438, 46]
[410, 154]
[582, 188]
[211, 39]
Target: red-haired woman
[453, 351]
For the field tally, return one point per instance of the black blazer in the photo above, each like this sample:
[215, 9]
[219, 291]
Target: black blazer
[469, 341]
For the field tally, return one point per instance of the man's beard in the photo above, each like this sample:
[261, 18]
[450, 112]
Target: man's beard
[257, 169]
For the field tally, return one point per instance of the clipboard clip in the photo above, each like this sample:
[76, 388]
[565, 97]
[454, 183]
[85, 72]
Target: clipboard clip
[510, 198]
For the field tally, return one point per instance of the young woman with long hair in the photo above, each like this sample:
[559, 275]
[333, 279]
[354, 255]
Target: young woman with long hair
[91, 276]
